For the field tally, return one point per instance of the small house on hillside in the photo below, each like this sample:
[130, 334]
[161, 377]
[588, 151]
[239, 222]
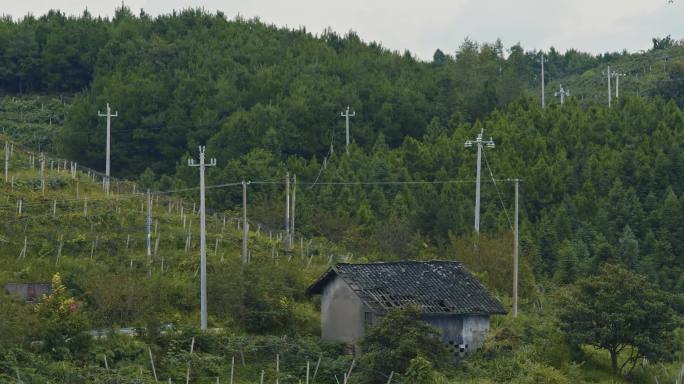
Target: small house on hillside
[29, 292]
[354, 296]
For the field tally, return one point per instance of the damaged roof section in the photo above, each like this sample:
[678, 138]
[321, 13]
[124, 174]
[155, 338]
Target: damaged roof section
[444, 287]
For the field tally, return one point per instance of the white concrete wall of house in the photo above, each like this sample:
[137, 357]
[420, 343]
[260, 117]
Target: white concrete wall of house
[460, 330]
[450, 326]
[342, 313]
[475, 328]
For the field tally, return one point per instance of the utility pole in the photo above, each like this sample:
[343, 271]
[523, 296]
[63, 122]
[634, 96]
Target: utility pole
[6, 161]
[245, 225]
[618, 75]
[543, 96]
[562, 93]
[287, 210]
[515, 252]
[203, 236]
[468, 144]
[149, 224]
[347, 115]
[109, 130]
[608, 75]
[294, 195]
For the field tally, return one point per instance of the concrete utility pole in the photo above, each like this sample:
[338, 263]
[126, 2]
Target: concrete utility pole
[608, 75]
[109, 130]
[468, 144]
[294, 196]
[149, 224]
[203, 236]
[347, 115]
[562, 93]
[287, 210]
[6, 161]
[245, 224]
[515, 252]
[543, 95]
[617, 76]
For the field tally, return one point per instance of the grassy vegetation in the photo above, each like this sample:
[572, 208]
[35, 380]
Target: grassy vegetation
[257, 310]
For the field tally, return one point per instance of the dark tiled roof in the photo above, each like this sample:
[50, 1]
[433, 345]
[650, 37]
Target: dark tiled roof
[434, 286]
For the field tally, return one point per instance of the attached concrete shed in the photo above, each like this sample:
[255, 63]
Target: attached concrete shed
[29, 292]
[354, 296]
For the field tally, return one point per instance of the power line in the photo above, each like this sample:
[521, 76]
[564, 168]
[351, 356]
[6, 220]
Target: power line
[373, 182]
[497, 191]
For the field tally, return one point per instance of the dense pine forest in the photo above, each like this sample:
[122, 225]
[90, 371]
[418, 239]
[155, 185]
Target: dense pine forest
[601, 195]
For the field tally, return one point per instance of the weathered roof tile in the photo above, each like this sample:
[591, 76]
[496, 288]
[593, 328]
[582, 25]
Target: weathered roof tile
[434, 286]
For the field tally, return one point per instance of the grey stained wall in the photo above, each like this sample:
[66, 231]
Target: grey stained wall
[461, 333]
[342, 313]
[29, 292]
[343, 319]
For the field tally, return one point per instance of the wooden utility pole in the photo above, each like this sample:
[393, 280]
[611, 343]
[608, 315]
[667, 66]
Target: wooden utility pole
[515, 252]
[109, 116]
[245, 225]
[203, 237]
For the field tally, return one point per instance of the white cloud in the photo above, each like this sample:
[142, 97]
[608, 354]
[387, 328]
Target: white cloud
[424, 26]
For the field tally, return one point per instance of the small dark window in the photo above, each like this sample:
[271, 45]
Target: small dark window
[31, 293]
[368, 318]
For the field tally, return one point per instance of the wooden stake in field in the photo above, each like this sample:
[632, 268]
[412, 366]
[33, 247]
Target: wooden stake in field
[389, 380]
[318, 364]
[22, 254]
[42, 172]
[59, 248]
[192, 347]
[348, 374]
[232, 369]
[154, 371]
[307, 372]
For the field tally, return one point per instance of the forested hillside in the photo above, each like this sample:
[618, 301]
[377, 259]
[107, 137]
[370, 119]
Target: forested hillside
[267, 101]
[599, 186]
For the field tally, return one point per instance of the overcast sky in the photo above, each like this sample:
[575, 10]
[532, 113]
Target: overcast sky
[422, 26]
